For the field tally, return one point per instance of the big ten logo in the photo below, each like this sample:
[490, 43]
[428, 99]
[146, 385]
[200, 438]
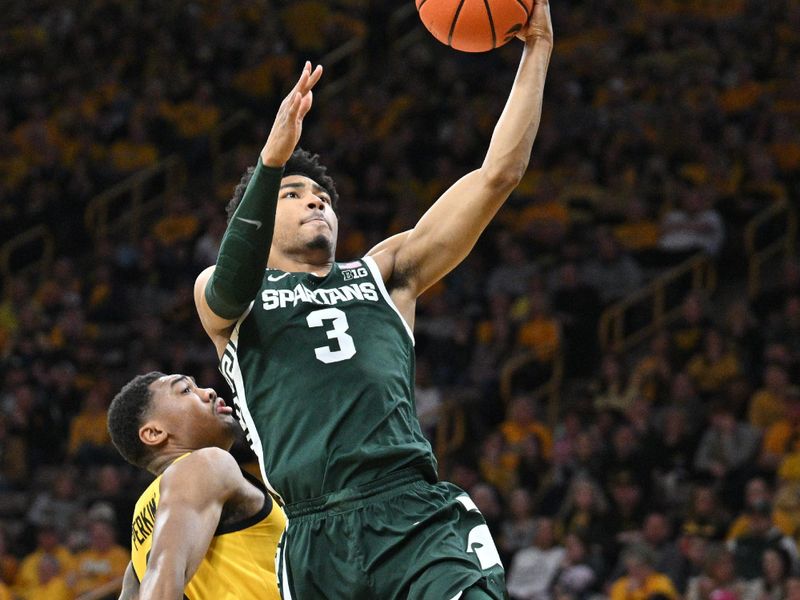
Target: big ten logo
[349, 274]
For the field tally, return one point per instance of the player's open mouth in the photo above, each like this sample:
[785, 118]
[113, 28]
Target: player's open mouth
[222, 408]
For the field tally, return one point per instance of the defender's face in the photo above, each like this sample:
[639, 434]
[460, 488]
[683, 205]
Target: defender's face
[195, 416]
[304, 220]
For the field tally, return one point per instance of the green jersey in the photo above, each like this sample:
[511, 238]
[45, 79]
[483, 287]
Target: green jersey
[322, 374]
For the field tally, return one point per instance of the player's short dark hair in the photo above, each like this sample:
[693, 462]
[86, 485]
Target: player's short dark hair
[125, 416]
[302, 162]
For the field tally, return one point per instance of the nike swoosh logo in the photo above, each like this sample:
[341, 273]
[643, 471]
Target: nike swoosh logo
[276, 277]
[251, 222]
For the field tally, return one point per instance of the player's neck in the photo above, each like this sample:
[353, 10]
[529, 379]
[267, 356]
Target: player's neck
[160, 463]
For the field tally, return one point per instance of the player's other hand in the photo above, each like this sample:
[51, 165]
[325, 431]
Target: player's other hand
[288, 123]
[540, 26]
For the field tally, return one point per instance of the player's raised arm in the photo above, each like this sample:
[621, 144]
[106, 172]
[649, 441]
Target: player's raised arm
[224, 291]
[449, 229]
[192, 494]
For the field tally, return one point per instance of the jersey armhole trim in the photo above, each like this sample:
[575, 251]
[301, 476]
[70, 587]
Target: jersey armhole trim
[262, 514]
[376, 275]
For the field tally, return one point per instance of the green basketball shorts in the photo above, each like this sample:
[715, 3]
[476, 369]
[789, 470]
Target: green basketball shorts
[399, 537]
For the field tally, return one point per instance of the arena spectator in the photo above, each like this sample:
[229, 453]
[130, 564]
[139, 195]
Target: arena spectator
[671, 450]
[51, 581]
[641, 579]
[512, 271]
[694, 227]
[102, 562]
[705, 515]
[584, 511]
[533, 569]
[761, 534]
[727, 445]
[625, 515]
[488, 502]
[639, 233]
[720, 578]
[693, 548]
[715, 366]
[779, 439]
[579, 571]
[577, 306]
[113, 488]
[50, 564]
[657, 535]
[9, 564]
[614, 390]
[652, 371]
[768, 404]
[57, 506]
[773, 298]
[688, 331]
[741, 329]
[612, 272]
[776, 567]
[519, 526]
[540, 336]
[522, 423]
[89, 441]
[757, 492]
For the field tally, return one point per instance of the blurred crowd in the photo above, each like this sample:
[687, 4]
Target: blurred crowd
[673, 470]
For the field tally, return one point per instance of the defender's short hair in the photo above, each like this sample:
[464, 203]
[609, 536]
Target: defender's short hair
[125, 416]
[301, 162]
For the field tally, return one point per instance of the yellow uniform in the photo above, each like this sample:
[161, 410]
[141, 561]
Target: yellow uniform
[240, 561]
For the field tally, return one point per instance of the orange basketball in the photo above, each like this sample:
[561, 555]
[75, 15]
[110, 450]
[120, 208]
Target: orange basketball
[474, 25]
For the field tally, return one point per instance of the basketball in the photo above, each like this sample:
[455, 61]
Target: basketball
[474, 25]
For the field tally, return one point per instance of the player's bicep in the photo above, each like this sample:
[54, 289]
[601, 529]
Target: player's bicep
[213, 324]
[448, 230]
[189, 510]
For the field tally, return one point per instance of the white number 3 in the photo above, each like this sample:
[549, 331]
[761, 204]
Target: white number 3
[337, 332]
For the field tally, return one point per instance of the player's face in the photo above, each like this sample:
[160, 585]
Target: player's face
[196, 417]
[304, 220]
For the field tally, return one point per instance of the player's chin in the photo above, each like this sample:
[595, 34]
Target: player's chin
[228, 420]
[321, 241]
[230, 432]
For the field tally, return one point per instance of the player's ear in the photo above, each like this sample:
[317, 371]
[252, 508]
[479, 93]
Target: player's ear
[152, 434]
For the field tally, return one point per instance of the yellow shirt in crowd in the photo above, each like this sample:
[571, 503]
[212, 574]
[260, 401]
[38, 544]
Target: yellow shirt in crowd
[656, 583]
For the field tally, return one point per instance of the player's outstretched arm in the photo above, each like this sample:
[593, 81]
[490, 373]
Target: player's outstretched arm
[188, 513]
[223, 292]
[449, 229]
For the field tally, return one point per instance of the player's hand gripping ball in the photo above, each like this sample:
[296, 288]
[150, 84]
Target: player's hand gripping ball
[474, 25]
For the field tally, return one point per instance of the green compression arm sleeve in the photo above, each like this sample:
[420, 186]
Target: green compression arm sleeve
[245, 245]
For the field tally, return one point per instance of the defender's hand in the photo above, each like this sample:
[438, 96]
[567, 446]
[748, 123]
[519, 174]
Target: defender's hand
[288, 123]
[540, 26]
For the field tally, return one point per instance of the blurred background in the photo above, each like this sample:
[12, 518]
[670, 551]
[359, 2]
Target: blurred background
[612, 373]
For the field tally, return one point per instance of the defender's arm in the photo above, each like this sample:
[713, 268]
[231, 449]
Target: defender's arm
[188, 514]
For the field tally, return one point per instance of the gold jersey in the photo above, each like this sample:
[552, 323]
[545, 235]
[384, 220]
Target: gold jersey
[240, 561]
